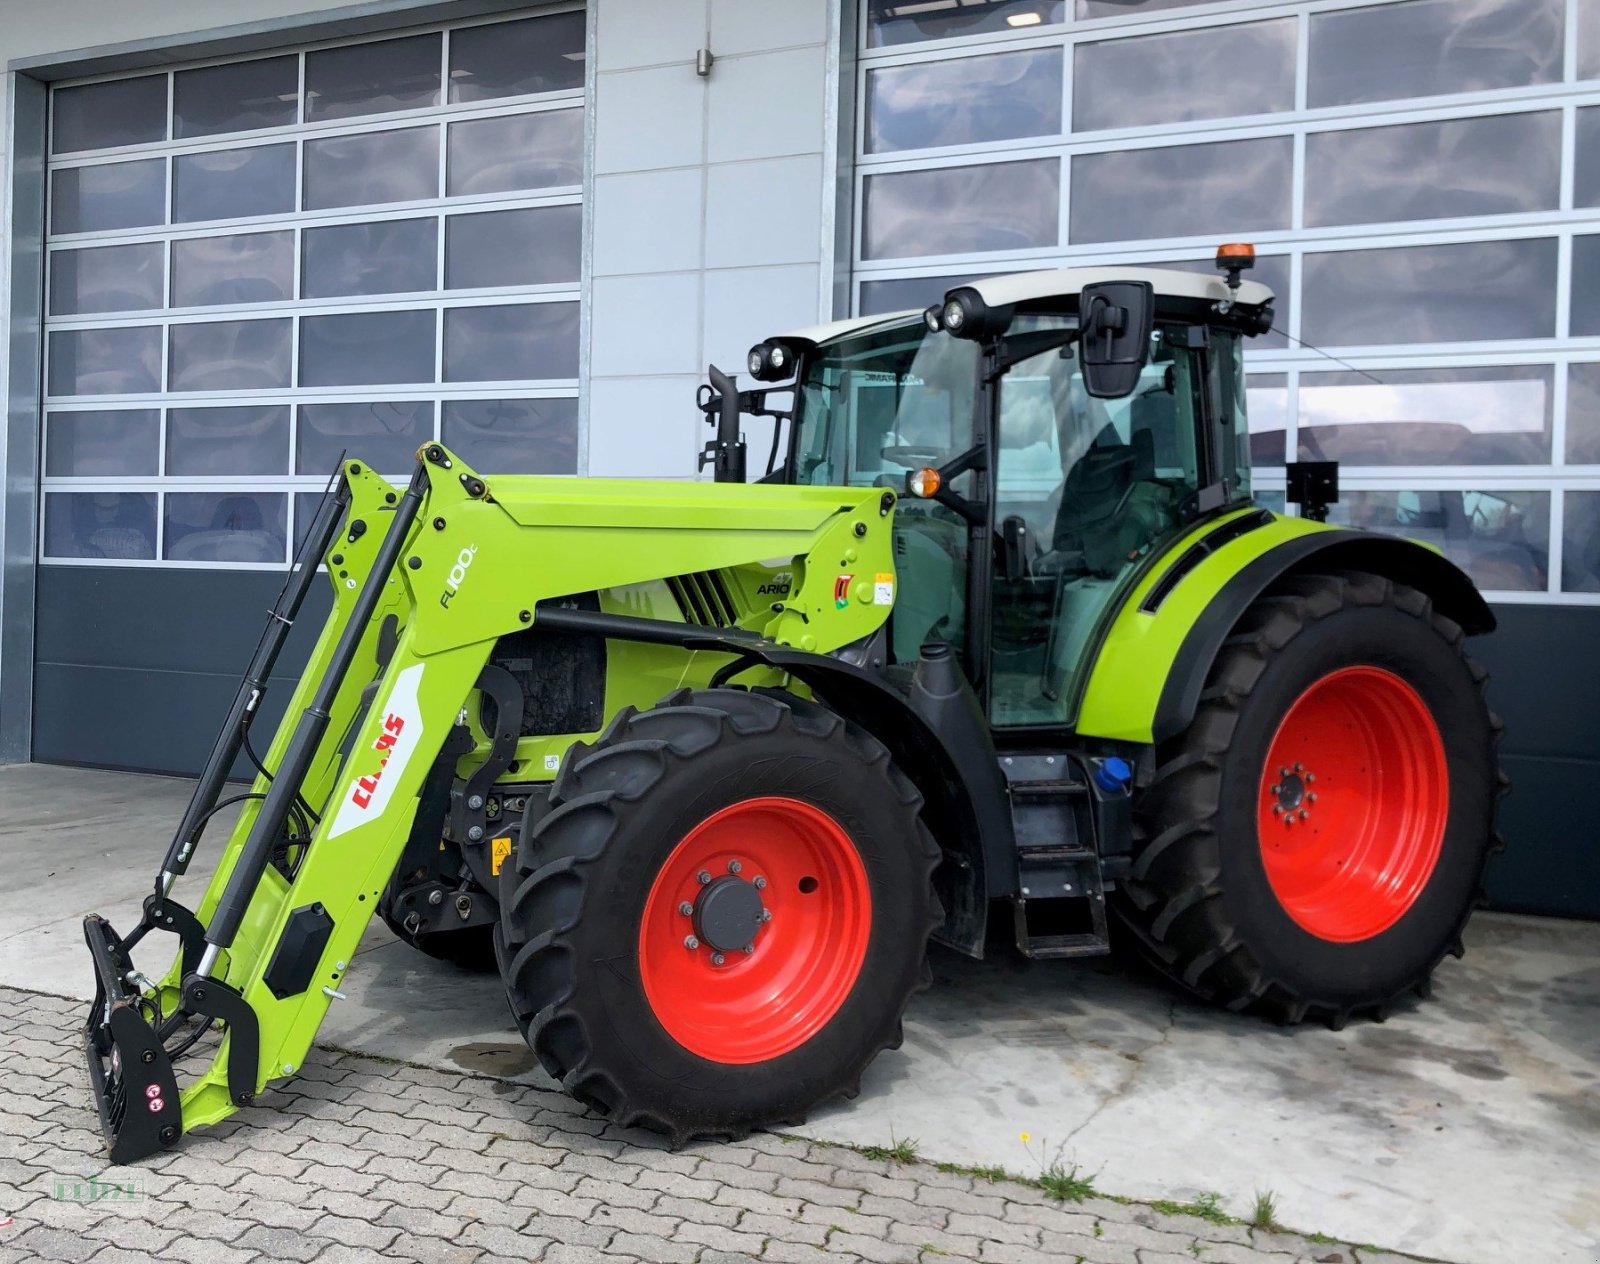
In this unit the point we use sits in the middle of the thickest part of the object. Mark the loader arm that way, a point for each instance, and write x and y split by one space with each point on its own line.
425 583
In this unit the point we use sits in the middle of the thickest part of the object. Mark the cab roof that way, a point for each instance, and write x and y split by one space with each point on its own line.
1024 287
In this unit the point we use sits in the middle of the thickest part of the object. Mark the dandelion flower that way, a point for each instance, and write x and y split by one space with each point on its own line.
1026 1138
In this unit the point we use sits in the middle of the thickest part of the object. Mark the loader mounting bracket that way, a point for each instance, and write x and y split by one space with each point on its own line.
211 998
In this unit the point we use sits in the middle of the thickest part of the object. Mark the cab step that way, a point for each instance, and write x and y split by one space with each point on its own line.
1059 906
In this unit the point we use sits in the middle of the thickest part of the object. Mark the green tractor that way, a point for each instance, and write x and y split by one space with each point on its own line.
998 645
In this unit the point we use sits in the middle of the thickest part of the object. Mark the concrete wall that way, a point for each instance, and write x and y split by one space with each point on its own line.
712 217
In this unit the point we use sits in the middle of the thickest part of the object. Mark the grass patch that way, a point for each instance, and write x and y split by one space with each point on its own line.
1066 1184
899 1150
1264 1214
1207 1207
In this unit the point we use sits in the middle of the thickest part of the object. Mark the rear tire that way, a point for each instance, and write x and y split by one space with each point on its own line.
595 949
1350 906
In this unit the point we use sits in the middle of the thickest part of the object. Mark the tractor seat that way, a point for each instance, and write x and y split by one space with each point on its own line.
1096 487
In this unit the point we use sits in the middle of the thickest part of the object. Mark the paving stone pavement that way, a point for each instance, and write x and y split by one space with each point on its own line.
361 1160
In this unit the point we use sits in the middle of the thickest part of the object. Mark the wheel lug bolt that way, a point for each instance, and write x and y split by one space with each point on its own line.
1304 814
1288 820
734 866
686 909
690 942
703 878
759 883
1310 777
766 915
1299 767
1277 789
1277 809
749 950
1283 772
717 958
1311 798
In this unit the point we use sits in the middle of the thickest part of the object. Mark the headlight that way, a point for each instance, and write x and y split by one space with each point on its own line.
770 362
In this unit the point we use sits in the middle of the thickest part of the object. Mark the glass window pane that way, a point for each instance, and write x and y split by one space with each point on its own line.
514 436
526 342
1585 292
104 115
1580 542
105 279
1424 48
375 167
233 183
515 58
252 439
1267 399
122 361
361 347
1470 416
1494 165
228 355
542 246
1466 292
237 97
1501 539
395 74
1583 414
524 151
392 257
114 443
964 101
100 524
907 21
108 196
1588 39
1087 9
908 293
385 434
1586 175
225 527
955 210
239 268
1230 187
1173 78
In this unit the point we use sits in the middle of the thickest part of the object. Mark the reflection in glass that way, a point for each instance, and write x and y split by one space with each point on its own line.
394 256
955 210
1087 9
228 355
105 279
524 342
123 361
523 151
104 115
375 167
225 527
908 293
1585 295
964 101
1229 187
1588 39
236 97
110 443
1423 48
108 196
233 183
385 434
100 525
541 246
253 439
1500 538
356 348
394 74
238 268
1583 414
909 21
1586 172
515 58
1174 78
1467 416
517 436
1430 293
1267 399
1580 542
1496 164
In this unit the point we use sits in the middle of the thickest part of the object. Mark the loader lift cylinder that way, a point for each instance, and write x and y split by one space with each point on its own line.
253 687
308 732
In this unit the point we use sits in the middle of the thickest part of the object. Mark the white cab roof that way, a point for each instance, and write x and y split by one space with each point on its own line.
1022 287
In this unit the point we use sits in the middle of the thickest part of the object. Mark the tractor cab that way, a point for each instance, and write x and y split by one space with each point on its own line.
1049 435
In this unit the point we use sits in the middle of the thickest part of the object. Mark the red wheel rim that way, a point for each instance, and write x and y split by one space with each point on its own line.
804 957
1353 803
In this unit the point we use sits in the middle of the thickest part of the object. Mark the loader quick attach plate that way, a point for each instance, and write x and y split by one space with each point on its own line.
129 1071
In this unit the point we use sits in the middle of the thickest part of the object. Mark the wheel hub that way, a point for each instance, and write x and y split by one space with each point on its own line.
727 914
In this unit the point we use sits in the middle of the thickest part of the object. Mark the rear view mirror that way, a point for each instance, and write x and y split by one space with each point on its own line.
1115 318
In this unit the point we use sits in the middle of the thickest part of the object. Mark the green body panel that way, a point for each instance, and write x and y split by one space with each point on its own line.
1125 684
472 571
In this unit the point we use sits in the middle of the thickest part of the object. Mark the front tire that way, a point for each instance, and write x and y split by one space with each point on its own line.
1314 843
719 821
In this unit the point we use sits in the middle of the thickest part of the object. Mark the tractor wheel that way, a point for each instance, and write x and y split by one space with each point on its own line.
1313 844
720 915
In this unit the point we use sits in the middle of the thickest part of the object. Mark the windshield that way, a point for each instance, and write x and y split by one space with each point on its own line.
877 405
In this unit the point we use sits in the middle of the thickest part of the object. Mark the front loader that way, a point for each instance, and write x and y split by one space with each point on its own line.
999 644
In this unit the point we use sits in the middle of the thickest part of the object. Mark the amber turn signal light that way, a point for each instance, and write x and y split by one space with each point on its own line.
923 483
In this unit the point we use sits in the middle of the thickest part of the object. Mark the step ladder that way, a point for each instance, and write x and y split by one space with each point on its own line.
1059 907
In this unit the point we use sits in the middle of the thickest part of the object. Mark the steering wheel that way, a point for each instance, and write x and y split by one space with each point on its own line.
911 457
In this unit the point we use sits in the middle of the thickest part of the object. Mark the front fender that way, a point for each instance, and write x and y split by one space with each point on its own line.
1146 682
